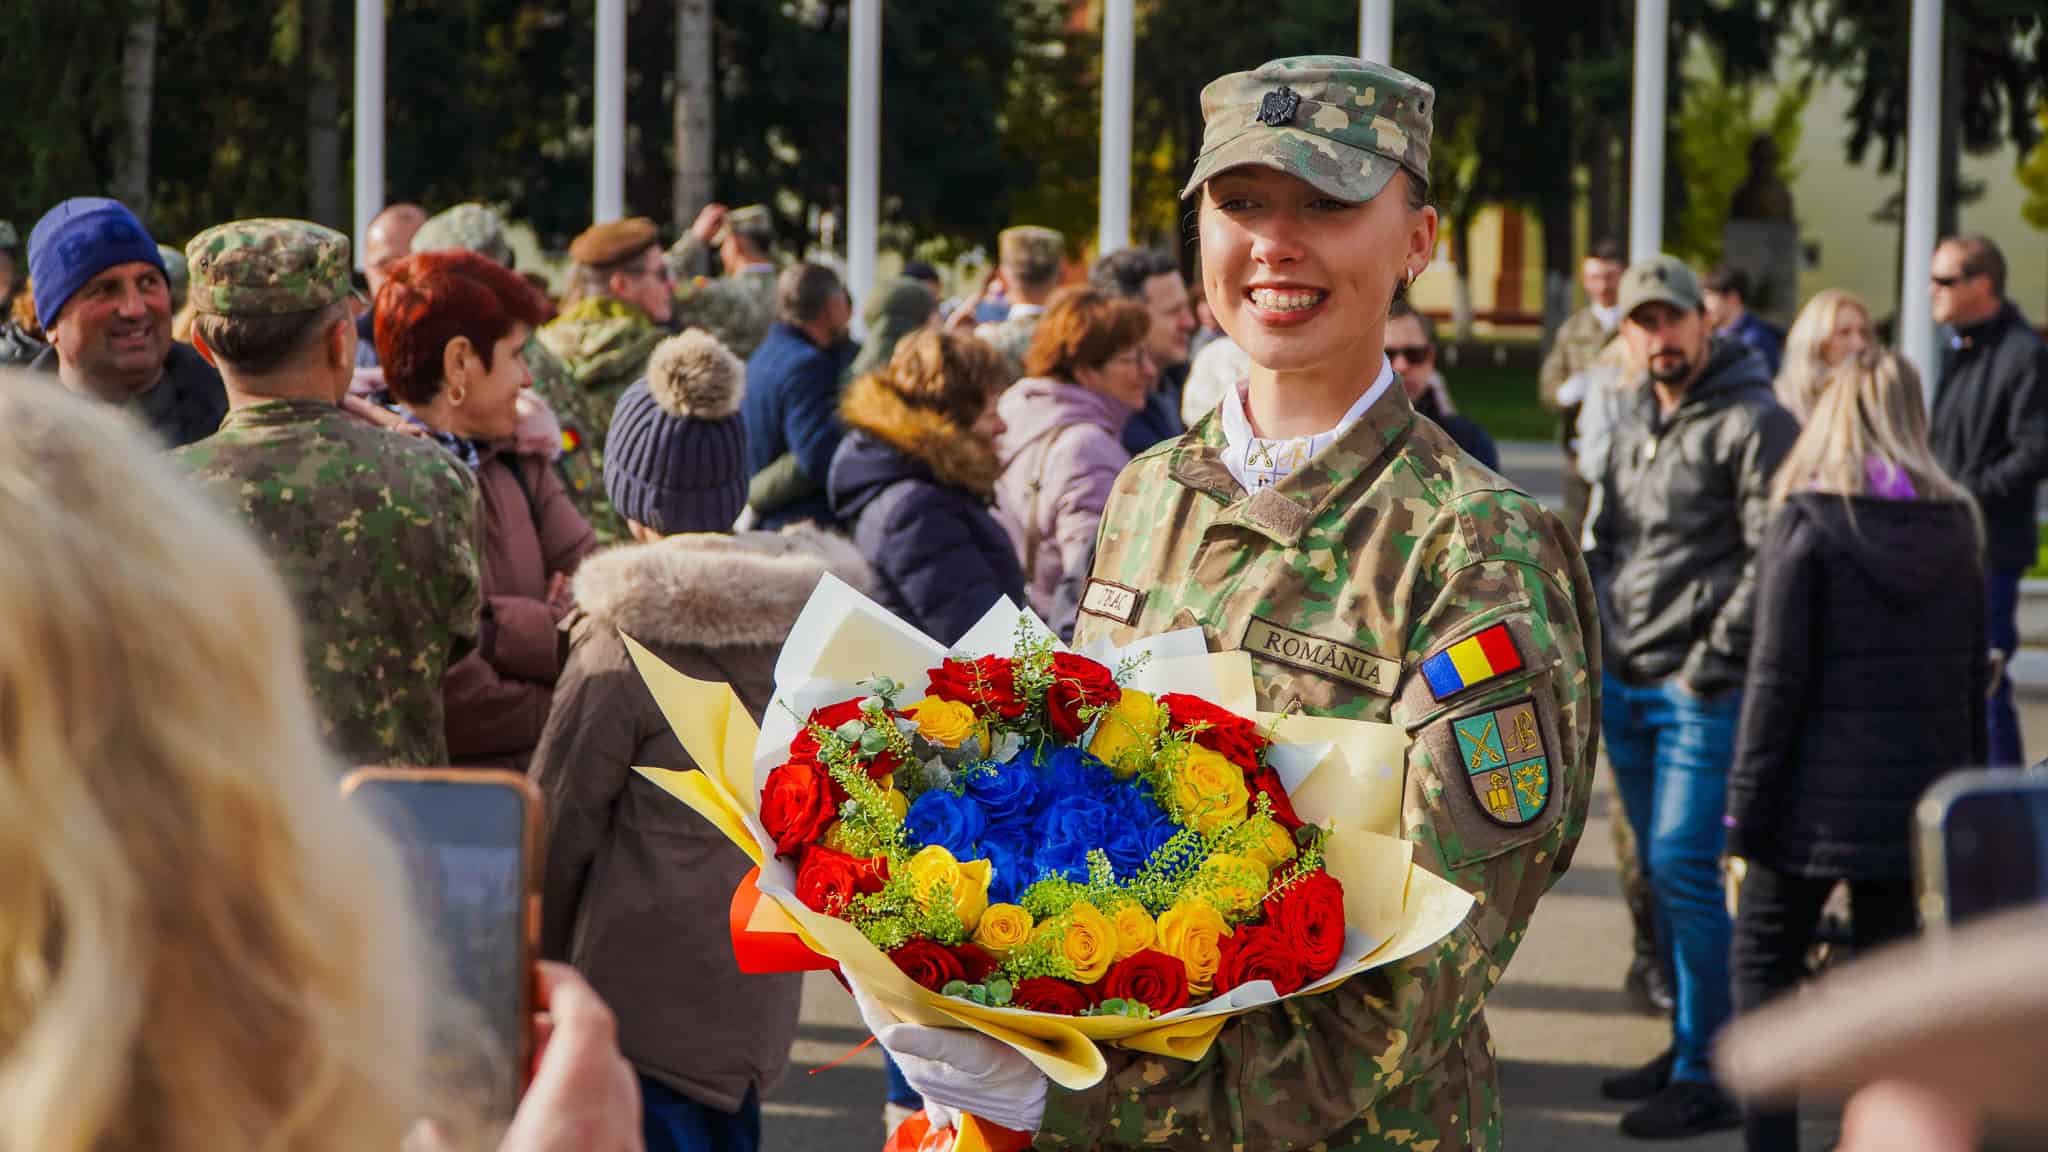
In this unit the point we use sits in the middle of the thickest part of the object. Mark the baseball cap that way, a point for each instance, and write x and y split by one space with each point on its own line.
1338 122
1659 280
268 267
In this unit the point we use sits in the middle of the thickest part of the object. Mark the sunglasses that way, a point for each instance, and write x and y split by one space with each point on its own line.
1412 353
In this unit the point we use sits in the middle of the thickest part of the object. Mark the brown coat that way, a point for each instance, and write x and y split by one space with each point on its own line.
637 886
497 696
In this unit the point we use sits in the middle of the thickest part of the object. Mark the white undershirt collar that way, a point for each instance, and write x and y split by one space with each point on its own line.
1258 462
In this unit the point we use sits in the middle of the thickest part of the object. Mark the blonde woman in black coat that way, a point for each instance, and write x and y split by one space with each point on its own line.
1867 681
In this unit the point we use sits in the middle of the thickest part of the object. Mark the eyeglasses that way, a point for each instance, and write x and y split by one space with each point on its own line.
1412 353
1951 281
1138 356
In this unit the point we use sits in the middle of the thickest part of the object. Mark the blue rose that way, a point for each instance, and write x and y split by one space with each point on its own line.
1007 794
1078 825
951 822
1070 772
1011 871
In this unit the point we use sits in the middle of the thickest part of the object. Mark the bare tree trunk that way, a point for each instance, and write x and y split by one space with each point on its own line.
693 107
323 116
1461 288
138 96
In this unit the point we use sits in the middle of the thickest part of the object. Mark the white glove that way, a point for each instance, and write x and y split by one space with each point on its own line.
957 1070
1572 391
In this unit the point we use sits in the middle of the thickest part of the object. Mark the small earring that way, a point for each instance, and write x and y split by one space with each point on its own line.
457 395
1411 278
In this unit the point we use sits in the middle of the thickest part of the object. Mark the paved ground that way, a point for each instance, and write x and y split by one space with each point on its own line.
1558 1018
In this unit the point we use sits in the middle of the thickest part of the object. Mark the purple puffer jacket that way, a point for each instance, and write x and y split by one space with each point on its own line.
1061 450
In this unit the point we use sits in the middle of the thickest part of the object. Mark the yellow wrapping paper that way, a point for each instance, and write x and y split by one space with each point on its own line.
1393 908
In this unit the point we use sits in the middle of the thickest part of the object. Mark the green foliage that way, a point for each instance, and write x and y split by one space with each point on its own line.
1715 127
2033 174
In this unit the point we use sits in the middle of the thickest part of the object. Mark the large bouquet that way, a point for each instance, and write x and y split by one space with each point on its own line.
1054 848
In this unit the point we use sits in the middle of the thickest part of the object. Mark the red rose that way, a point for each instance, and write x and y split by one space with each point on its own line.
1223 732
988 685
1077 683
1263 781
1150 977
830 717
977 962
1049 994
1309 915
828 880
797 805
929 963
1259 953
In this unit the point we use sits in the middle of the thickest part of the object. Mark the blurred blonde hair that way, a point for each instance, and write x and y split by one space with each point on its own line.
1870 409
201 945
1805 368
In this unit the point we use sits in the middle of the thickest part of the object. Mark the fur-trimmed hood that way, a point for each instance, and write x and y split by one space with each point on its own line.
956 456
715 591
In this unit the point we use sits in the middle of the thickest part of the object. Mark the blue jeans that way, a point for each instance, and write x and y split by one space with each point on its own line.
2002 629
672 1122
900 1091
1670 752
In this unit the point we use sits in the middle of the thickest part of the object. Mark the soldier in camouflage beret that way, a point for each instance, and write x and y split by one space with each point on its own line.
1031 260
582 415
375 533
1373 571
735 301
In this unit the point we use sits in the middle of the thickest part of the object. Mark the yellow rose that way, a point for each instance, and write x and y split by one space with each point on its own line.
1135 931
946 723
1003 928
1126 733
1088 942
1209 791
937 876
1237 883
1275 845
898 803
1193 930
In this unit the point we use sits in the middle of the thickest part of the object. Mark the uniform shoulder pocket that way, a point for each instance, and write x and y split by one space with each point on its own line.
1494 773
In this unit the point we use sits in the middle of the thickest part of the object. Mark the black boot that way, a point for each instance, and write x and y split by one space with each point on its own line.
1648 984
1640 1083
1684 1109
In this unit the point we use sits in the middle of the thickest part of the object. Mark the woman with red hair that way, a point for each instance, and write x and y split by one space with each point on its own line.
450 328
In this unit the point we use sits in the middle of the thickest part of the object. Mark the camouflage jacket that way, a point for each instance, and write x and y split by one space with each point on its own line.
1390 579
736 309
604 345
1012 337
581 464
376 534
1577 344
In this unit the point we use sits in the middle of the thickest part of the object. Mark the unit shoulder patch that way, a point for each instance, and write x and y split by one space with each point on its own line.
1506 762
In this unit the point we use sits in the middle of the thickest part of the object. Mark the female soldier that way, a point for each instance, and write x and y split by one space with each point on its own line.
1374 573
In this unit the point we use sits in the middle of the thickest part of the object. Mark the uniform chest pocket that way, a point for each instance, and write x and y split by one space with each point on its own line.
1317 673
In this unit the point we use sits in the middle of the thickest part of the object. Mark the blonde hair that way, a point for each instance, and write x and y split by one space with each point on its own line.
201 945
1870 410
1805 368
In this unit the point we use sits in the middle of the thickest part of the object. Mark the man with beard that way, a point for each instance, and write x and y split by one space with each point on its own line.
1687 485
103 299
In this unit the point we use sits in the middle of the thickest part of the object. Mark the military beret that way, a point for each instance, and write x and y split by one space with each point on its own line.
467 228
1029 246
1659 280
754 222
1337 122
614 242
267 268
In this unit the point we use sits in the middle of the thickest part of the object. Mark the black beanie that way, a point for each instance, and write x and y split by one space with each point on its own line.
676 456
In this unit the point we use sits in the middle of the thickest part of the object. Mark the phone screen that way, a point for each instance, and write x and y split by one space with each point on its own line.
465 847
1995 850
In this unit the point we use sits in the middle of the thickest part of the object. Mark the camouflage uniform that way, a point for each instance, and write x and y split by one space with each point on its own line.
1573 351
602 345
1034 255
1012 335
737 309
1387 578
475 228
377 534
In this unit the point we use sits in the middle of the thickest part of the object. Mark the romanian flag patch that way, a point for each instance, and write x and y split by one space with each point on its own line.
1471 662
572 441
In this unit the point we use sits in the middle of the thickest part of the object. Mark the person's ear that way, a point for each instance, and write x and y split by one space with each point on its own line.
1421 240
456 358
342 340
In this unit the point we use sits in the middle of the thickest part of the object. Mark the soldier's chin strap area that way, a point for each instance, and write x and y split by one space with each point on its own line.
1257 462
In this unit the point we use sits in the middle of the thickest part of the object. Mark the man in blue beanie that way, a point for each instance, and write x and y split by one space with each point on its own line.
103 298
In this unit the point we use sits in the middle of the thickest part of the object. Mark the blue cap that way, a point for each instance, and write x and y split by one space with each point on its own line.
76 241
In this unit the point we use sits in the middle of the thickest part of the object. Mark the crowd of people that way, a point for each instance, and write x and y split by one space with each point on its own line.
456 494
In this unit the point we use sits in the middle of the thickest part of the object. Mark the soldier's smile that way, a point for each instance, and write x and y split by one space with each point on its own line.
1284 304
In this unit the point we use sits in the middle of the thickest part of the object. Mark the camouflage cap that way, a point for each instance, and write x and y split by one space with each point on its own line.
1029 246
466 228
753 222
1338 122
1659 280
267 268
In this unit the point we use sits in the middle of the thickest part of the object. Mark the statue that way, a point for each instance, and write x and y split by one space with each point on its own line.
1762 235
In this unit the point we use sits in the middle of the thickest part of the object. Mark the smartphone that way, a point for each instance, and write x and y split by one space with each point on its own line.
1981 845
471 843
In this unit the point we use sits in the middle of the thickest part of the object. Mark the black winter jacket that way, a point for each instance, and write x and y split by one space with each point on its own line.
1866 682
1990 430
187 404
914 489
1688 498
